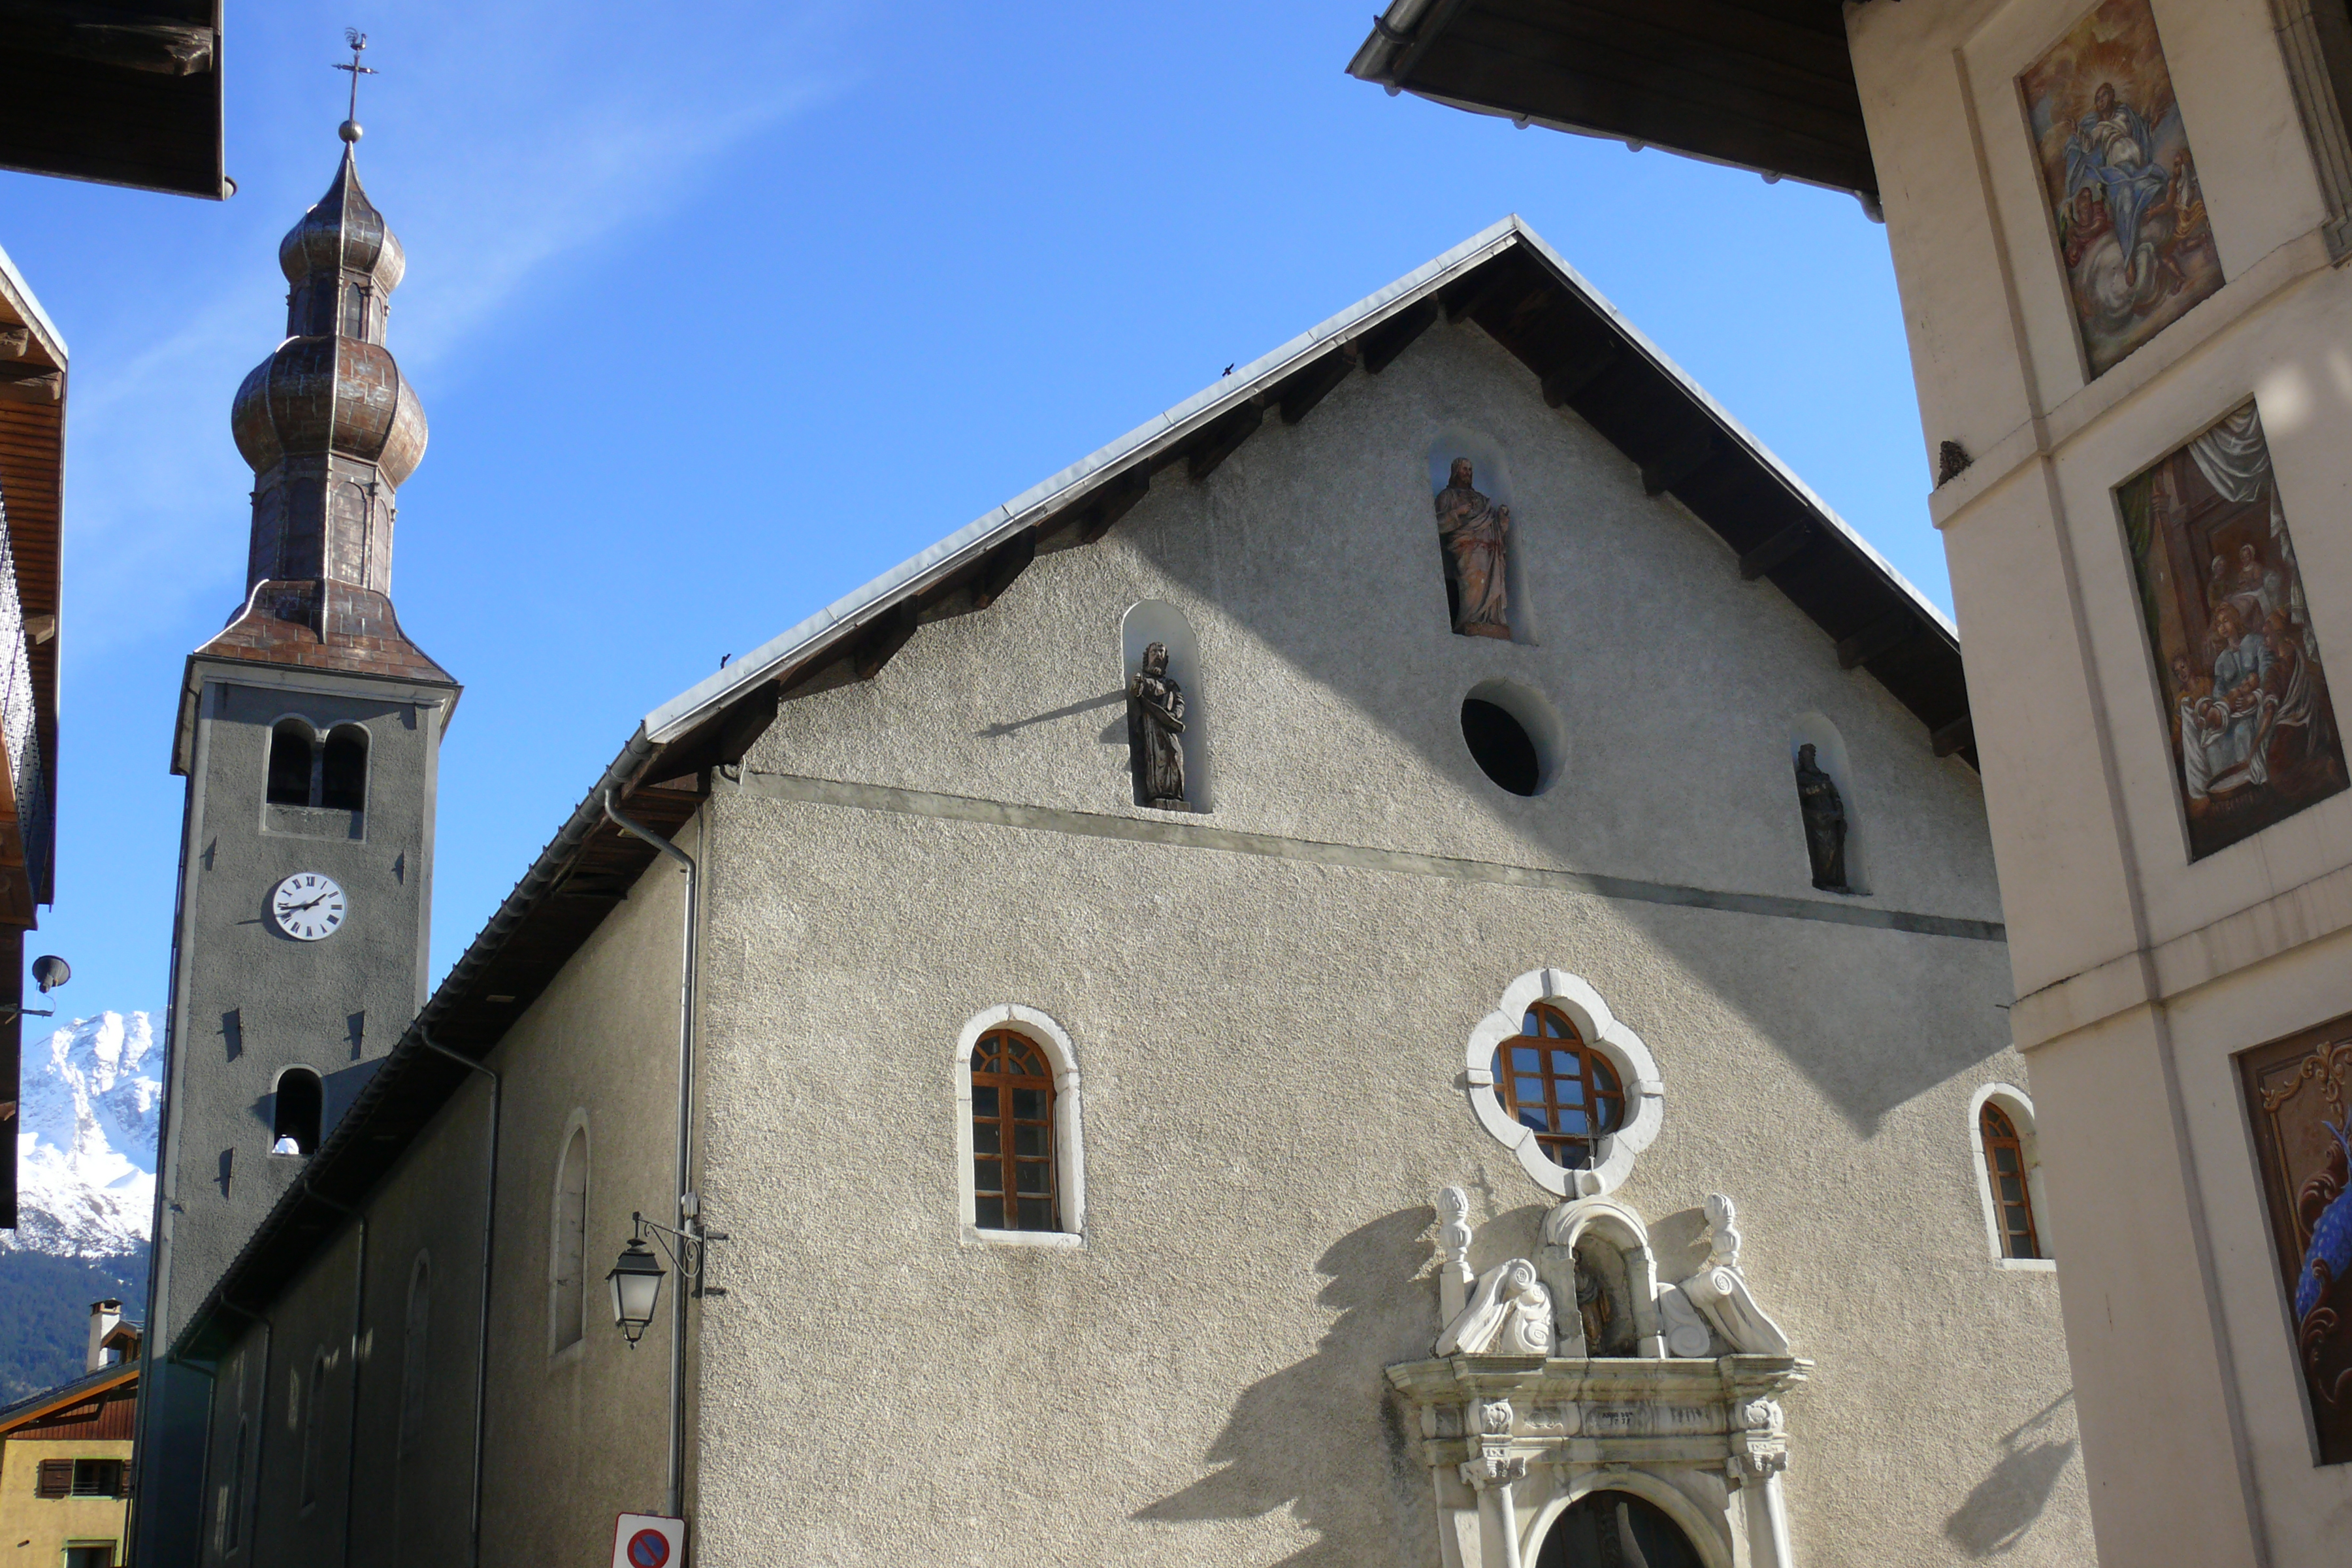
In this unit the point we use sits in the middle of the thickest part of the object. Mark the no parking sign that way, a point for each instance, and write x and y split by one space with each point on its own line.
649 1540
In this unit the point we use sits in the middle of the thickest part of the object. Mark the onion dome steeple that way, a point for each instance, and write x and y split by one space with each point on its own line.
328 423
331 429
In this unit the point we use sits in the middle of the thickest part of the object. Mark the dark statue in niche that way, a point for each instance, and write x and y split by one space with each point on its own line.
1155 732
1825 815
1474 530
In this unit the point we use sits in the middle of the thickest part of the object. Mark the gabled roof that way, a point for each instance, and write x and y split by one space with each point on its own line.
1589 359
65 1395
1765 85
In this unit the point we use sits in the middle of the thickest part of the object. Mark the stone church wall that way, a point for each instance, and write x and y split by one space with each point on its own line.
1269 1035
576 1434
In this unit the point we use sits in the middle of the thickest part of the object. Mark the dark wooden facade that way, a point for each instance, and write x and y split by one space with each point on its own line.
1763 84
97 1408
127 95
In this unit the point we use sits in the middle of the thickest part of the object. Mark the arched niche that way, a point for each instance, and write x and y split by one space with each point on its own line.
296 1104
1815 729
1609 1239
1149 621
1491 474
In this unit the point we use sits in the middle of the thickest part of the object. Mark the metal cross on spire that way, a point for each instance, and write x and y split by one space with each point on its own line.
350 130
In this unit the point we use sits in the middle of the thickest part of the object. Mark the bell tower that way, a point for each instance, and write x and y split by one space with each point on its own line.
308 732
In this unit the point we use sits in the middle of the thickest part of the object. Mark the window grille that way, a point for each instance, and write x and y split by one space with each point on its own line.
2012 1202
1013 1186
1549 1079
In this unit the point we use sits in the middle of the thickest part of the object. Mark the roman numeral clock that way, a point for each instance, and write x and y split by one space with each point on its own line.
307 907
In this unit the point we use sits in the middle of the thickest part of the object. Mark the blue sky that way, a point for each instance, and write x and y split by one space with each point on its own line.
718 311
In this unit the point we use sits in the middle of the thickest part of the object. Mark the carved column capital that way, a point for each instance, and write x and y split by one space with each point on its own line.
1494 1469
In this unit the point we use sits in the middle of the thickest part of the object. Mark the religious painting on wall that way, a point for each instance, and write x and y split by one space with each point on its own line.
2114 157
2253 730
2294 1091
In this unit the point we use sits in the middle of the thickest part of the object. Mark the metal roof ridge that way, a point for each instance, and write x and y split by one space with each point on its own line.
673 718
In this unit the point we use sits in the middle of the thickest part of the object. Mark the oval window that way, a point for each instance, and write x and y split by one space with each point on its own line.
1500 745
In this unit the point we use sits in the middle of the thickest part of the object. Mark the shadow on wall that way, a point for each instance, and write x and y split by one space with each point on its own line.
1867 1066
1385 1315
2003 1507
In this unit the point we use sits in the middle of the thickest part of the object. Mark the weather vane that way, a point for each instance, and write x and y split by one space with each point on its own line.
349 131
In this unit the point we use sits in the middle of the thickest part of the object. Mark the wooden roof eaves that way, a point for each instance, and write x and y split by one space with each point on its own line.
23 307
801 650
35 534
1151 444
1396 45
90 1385
413 1080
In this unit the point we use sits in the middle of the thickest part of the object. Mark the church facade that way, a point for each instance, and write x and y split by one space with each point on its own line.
1348 980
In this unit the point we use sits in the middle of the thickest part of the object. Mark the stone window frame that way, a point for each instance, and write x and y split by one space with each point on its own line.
1637 1071
1069 1153
2019 1106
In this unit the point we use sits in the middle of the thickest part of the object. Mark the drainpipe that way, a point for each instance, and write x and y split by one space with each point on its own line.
482 1329
689 1218
359 1308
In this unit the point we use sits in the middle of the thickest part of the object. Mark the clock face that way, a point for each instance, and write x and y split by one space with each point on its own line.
307 907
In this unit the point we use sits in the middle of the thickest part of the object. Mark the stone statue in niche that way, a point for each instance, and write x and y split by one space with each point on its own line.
1155 732
1824 814
1592 1307
1474 530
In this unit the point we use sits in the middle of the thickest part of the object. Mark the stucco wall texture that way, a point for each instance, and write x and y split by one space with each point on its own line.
1272 1052
574 1435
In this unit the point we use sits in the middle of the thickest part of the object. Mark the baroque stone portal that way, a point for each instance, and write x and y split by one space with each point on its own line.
1474 532
1521 1421
1155 732
1824 814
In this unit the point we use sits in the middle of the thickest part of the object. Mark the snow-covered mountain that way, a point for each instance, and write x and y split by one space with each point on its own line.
86 1139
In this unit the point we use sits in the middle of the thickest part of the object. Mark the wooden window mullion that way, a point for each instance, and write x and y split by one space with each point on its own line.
1008 1066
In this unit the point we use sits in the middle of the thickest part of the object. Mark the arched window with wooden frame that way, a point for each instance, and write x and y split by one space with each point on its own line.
1551 1079
1013 1135
1021 1162
2007 1171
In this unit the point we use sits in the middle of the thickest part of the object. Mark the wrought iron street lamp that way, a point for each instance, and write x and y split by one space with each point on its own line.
636 1279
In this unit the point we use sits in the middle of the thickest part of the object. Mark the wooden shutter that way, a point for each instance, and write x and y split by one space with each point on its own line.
55 1479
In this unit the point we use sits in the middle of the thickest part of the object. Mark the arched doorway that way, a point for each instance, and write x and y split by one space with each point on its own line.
1616 1529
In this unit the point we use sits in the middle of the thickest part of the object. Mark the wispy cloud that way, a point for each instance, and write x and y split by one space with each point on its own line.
504 141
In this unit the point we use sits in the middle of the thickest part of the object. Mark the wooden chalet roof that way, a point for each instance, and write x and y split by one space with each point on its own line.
33 385
93 1405
1761 84
1590 360
128 93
